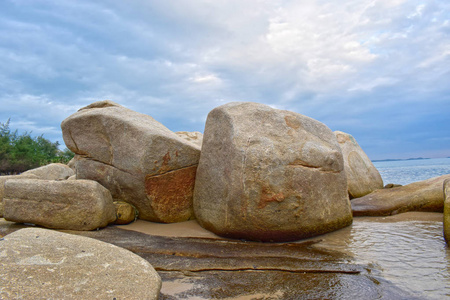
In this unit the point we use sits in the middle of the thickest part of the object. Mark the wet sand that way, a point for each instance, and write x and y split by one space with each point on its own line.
181 229
193 229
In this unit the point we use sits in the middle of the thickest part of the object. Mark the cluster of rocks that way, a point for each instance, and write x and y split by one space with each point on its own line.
258 173
263 174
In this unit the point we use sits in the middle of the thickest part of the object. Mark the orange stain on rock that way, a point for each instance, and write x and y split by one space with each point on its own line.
268 196
171 194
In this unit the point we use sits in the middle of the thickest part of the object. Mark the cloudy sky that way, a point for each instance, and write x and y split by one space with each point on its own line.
377 69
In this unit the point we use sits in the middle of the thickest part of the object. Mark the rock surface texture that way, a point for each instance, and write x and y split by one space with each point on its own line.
269 175
51 172
3 179
73 205
137 158
426 195
45 264
447 210
362 176
192 136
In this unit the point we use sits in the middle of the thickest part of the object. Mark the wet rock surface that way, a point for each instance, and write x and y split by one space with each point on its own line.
275 285
204 268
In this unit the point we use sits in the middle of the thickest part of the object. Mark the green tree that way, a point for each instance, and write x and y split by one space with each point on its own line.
19 153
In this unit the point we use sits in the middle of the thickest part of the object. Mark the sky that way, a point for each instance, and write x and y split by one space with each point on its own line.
377 69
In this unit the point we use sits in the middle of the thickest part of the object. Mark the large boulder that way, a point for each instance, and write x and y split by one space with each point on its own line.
447 210
138 159
362 176
72 205
191 136
45 264
426 195
3 179
269 175
54 171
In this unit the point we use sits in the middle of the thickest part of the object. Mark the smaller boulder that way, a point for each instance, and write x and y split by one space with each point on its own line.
45 264
193 137
423 195
362 176
71 205
125 212
447 210
52 172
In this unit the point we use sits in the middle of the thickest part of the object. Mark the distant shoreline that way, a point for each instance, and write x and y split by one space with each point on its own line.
400 159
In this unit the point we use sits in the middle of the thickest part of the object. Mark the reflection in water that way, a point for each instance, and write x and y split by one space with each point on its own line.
411 254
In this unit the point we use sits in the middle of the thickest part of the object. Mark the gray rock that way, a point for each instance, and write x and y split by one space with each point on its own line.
45 264
137 158
191 136
362 176
51 172
269 175
426 195
73 205
447 210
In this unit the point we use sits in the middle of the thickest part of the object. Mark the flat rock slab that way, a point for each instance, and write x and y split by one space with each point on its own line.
45 264
204 268
275 285
426 195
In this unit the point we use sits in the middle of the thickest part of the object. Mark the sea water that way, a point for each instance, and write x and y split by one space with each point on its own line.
408 249
409 171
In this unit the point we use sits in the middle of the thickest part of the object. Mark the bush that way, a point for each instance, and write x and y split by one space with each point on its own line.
19 153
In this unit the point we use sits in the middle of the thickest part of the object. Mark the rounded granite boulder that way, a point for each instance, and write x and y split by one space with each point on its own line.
46 264
269 175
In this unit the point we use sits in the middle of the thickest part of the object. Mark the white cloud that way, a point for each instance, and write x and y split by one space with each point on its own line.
377 82
331 60
207 78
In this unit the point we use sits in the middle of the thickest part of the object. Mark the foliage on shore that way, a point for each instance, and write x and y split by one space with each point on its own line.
19 153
